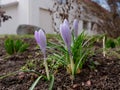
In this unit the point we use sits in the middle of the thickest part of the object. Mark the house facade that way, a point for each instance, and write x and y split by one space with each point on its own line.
46 14
25 12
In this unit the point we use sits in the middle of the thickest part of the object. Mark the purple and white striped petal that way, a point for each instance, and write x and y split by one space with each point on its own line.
75 26
66 34
37 38
41 39
66 22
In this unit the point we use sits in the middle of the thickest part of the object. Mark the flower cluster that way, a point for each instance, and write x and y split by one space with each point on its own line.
73 54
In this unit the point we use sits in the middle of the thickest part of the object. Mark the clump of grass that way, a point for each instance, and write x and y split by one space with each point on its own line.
15 46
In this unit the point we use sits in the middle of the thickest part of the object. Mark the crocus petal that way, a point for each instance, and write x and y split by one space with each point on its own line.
36 35
75 26
66 22
66 34
63 34
41 39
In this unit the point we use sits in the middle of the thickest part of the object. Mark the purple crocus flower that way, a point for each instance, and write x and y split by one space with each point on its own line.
41 40
75 26
66 34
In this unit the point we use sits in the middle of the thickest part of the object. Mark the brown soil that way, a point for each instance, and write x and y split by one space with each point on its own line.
105 76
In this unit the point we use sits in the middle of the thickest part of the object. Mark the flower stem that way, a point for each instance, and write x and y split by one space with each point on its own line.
71 64
104 52
46 67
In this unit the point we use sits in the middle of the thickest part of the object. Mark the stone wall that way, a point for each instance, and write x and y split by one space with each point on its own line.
71 9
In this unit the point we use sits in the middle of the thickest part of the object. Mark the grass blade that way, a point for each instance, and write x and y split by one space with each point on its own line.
51 82
35 83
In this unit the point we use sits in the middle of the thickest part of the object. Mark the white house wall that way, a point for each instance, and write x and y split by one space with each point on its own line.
10 26
19 13
26 12
39 14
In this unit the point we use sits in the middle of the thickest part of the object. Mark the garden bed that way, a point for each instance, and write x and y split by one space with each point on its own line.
13 74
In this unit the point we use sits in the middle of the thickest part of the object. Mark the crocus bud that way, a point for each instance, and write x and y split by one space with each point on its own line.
66 34
41 40
66 22
75 26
